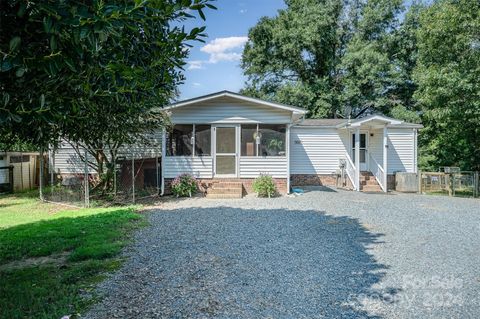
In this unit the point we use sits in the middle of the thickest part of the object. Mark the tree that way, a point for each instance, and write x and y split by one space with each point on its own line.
91 72
447 75
292 57
327 55
367 64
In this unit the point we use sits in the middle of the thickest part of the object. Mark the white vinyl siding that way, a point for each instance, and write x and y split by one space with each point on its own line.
375 145
67 161
401 152
252 167
316 150
229 111
199 166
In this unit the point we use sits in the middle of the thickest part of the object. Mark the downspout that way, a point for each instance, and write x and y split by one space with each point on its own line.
288 156
415 150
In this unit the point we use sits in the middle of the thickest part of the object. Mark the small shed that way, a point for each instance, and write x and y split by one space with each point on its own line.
19 170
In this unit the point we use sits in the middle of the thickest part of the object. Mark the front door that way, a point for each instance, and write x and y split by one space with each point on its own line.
226 151
363 150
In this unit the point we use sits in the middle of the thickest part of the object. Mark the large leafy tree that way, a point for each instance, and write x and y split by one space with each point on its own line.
368 72
292 57
90 72
447 75
329 54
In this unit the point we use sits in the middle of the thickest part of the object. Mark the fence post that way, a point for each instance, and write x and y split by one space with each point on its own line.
41 175
21 170
50 166
133 178
476 184
114 160
156 175
419 181
86 183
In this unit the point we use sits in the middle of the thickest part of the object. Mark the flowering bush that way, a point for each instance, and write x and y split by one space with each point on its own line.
184 185
264 186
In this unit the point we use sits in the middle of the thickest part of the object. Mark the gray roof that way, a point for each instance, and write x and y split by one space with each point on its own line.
339 122
322 122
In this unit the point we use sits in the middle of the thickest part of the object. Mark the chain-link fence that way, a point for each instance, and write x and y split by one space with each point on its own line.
77 176
462 184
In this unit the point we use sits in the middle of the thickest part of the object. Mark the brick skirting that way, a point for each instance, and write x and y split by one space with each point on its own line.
313 180
329 180
204 183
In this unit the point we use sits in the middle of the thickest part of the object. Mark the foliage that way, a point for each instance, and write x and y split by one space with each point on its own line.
264 186
275 144
447 75
291 58
81 245
91 72
328 55
184 185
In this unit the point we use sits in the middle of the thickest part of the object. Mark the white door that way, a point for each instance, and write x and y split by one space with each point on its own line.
226 150
363 150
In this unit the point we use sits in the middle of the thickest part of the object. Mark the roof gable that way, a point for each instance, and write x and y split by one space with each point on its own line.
236 96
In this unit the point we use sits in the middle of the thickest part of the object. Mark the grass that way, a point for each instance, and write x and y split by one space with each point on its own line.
51 257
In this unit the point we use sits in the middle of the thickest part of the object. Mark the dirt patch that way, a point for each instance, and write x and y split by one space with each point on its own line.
56 260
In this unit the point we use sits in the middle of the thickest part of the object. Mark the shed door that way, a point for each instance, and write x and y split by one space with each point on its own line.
226 151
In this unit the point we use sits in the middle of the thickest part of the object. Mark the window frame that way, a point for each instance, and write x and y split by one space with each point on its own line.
193 140
257 146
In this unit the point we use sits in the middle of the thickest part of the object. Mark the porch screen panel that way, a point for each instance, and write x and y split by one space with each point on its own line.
272 141
226 164
248 145
179 141
226 140
203 140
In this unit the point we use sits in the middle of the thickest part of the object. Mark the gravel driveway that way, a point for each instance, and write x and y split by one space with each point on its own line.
326 254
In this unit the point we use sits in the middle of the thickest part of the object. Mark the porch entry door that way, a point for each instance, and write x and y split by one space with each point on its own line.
226 150
363 150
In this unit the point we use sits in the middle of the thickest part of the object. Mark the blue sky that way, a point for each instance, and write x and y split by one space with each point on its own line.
215 65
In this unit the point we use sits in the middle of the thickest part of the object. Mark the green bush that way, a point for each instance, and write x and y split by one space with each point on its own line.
184 185
264 186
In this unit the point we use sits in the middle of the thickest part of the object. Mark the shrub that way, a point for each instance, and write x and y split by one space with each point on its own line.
184 185
264 186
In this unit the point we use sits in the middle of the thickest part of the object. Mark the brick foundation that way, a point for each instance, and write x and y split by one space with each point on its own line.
313 180
329 180
204 183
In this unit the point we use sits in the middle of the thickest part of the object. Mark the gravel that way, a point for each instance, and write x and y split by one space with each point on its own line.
325 254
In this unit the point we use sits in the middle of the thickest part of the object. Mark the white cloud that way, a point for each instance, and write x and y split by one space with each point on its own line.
196 84
220 49
224 49
242 11
195 65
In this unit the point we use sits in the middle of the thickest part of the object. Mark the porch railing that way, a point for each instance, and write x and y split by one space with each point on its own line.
377 171
350 169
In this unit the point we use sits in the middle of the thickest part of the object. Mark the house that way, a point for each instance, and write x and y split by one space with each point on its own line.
228 137
226 140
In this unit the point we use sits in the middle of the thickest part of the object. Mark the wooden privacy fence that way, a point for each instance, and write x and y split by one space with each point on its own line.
464 184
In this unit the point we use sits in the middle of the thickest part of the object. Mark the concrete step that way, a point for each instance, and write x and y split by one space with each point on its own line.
371 188
372 182
227 185
223 196
225 190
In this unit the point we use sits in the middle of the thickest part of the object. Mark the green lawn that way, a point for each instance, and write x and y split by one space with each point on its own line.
52 256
